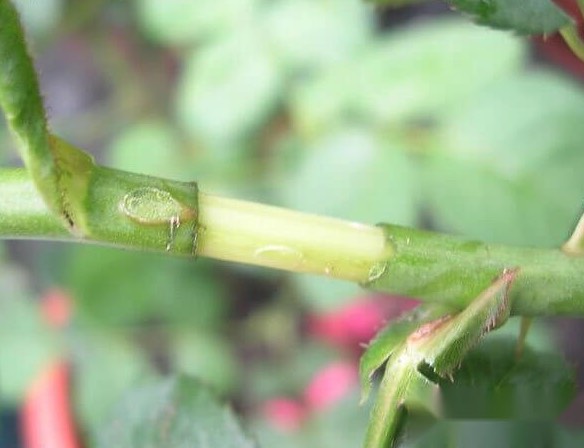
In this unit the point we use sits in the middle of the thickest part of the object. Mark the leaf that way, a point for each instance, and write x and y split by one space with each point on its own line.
490 433
105 366
309 35
39 18
523 16
341 426
180 22
205 356
150 147
434 350
107 289
407 76
26 341
443 343
502 170
390 339
394 3
354 174
227 90
538 385
175 413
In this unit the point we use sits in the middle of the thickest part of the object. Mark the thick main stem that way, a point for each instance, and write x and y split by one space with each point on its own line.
145 213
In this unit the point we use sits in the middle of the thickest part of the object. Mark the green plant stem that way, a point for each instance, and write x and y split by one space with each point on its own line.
227 229
284 239
172 217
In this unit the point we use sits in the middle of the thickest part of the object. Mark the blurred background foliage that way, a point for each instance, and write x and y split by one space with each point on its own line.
328 106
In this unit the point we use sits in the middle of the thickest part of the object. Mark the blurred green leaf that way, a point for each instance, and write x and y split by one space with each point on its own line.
121 288
537 386
105 366
321 294
354 174
505 168
150 147
26 341
206 357
39 17
522 16
227 90
175 412
491 433
311 34
341 426
407 76
291 372
179 22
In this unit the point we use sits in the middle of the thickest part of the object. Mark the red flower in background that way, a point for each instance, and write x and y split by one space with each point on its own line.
347 328
46 418
357 323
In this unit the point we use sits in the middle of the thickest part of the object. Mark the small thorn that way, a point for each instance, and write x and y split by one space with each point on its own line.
575 245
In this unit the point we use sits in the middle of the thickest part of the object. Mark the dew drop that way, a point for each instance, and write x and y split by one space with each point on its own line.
150 205
278 253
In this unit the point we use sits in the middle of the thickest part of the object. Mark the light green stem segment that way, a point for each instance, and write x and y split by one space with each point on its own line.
141 212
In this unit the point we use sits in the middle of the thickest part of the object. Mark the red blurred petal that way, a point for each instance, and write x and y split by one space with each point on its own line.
56 307
46 420
284 414
358 322
330 384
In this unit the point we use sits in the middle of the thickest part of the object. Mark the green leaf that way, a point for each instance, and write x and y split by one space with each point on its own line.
394 3
150 147
175 413
354 174
341 426
388 340
39 17
435 349
105 366
503 168
26 341
523 16
406 77
108 291
490 433
309 35
538 385
205 356
227 90
443 343
179 22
